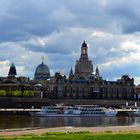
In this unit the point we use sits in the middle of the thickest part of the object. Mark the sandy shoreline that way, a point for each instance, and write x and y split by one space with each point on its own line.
39 131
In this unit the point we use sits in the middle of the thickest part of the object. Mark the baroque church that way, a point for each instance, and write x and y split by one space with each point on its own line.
82 83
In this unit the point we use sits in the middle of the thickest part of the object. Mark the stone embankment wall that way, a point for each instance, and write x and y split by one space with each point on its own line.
13 102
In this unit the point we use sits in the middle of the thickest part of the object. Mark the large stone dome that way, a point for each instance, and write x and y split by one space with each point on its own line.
42 72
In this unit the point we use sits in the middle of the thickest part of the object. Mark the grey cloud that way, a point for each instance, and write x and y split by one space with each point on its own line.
64 25
66 41
26 19
116 72
41 18
126 14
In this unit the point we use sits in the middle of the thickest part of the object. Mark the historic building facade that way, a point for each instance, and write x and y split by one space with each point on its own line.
137 92
12 83
82 83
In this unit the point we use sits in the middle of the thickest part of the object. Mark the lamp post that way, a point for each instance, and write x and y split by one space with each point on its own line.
41 94
41 88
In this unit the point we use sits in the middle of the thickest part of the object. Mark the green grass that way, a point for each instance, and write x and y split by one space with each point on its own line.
79 136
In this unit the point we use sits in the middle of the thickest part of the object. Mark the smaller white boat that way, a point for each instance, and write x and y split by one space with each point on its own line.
137 112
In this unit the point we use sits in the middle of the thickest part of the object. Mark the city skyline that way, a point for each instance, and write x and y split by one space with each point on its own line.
55 30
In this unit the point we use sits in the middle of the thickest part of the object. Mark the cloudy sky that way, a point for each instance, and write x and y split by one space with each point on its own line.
30 29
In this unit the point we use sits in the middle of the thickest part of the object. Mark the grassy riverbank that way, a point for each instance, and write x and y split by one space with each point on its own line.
109 135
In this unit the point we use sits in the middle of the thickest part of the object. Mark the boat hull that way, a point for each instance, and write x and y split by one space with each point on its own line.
72 115
136 114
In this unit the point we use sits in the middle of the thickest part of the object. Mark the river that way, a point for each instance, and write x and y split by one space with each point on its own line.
16 121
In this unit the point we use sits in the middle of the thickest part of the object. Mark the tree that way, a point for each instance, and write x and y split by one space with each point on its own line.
16 93
2 93
27 93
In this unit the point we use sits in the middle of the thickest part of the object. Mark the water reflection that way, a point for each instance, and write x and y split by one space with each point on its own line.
86 121
27 121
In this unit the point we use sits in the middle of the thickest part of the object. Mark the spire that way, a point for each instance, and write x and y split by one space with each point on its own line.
84 44
12 70
97 71
71 73
42 59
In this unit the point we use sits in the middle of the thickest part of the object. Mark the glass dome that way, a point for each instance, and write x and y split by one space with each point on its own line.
42 72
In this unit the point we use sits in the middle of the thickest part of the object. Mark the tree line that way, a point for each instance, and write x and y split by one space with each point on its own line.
16 93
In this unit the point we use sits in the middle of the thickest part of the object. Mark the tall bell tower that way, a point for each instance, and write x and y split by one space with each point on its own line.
84 51
83 67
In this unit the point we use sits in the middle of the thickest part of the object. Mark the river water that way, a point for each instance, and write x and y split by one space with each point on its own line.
14 121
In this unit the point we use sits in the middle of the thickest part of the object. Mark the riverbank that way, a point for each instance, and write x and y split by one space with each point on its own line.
40 131
78 136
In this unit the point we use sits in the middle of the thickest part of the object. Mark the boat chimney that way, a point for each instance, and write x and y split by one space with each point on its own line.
135 104
126 103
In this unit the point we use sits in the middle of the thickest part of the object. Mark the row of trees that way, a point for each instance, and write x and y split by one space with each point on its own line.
16 93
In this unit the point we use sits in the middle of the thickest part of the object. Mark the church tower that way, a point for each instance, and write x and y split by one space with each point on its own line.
83 67
12 71
84 51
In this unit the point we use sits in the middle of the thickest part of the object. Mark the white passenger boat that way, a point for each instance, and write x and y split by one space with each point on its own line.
57 111
95 110
72 111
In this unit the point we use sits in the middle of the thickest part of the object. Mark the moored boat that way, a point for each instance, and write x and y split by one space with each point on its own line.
137 112
57 111
74 111
95 110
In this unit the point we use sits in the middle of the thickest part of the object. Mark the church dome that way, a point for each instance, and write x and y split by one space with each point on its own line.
42 72
42 69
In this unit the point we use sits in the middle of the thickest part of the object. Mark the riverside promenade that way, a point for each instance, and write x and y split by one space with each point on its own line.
17 111
21 102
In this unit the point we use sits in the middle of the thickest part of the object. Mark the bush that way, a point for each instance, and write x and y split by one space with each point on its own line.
8 93
2 93
16 93
27 93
